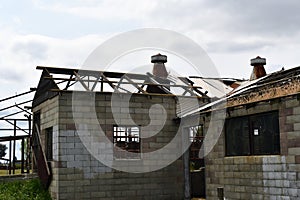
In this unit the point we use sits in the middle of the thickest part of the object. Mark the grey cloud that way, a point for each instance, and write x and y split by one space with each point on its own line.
233 20
232 46
263 17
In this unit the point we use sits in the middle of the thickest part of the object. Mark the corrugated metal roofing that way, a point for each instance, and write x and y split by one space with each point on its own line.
214 87
283 79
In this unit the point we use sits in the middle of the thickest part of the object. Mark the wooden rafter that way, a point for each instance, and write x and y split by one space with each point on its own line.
81 81
135 84
118 81
109 82
162 87
95 83
69 82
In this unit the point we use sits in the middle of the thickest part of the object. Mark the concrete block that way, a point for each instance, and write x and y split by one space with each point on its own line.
296 110
297 127
275 191
82 158
66 183
66 133
293 134
292 103
292 176
293 119
294 192
66 158
294 151
98 194
75 164
256 196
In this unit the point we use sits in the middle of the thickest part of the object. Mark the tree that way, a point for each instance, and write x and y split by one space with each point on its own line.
3 148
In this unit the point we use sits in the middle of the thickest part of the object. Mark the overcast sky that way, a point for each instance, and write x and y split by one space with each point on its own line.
64 33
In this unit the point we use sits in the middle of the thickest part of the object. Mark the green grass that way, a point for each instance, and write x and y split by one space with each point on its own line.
5 172
23 190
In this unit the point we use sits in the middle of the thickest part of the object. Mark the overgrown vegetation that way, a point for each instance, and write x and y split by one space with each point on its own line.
23 190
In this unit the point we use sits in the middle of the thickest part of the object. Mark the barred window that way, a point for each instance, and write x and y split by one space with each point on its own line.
127 142
253 135
196 139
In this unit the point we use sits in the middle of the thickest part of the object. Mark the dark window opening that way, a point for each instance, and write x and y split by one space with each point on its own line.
196 138
36 129
196 161
253 135
126 141
49 143
36 122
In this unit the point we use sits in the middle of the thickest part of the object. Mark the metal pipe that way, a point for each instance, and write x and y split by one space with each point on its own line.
16 95
9 157
15 105
14 148
22 156
12 114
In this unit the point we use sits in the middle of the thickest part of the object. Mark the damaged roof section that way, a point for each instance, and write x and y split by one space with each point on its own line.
216 87
279 84
190 92
54 80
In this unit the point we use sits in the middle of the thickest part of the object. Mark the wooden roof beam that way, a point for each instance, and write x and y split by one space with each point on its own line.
135 84
81 81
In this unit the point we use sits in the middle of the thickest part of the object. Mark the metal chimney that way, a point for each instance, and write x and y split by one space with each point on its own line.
159 68
258 68
160 75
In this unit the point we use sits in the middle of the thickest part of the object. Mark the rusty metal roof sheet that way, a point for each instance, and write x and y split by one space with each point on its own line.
275 85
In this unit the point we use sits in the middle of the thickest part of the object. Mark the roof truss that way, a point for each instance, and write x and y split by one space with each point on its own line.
103 81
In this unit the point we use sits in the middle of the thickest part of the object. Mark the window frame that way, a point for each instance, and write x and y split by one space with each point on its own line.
196 138
122 151
49 143
253 151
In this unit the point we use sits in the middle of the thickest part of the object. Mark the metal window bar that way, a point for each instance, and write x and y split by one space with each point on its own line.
126 139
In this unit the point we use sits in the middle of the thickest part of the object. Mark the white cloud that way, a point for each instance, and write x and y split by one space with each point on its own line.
226 26
20 54
232 32
103 10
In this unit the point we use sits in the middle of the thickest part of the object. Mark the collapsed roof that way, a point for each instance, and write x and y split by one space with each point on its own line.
54 80
272 86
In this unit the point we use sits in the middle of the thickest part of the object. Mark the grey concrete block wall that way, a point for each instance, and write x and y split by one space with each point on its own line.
79 175
49 117
259 177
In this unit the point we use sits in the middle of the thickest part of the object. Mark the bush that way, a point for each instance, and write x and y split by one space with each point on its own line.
25 190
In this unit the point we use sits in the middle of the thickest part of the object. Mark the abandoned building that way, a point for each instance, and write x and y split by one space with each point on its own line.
74 173
256 156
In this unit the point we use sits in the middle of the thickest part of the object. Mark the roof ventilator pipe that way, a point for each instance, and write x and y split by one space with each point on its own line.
258 68
159 68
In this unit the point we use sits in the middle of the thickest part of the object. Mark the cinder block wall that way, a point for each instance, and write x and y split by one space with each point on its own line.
79 175
49 116
259 177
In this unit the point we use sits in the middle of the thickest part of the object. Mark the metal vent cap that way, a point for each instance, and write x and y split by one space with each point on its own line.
159 58
258 61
